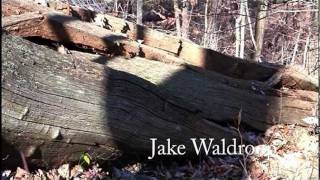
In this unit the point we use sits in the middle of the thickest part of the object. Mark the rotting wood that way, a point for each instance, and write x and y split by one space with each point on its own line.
250 86
261 105
77 32
186 50
202 91
67 29
60 107
209 59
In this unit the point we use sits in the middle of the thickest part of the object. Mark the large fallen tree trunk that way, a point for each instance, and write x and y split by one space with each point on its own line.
206 58
210 59
219 98
67 104
57 107
156 45
54 107
260 111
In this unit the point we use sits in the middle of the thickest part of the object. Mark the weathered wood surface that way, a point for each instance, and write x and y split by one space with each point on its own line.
149 36
55 107
67 104
220 98
67 29
212 60
61 106
80 33
207 58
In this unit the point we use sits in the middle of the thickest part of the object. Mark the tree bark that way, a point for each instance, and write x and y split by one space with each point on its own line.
206 29
240 31
237 35
115 6
242 27
139 11
177 17
260 28
250 25
185 20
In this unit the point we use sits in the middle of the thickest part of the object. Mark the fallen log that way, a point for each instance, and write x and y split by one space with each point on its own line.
50 97
220 98
67 29
210 59
56 107
262 104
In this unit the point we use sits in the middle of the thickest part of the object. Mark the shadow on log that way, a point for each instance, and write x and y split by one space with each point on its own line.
62 107
59 107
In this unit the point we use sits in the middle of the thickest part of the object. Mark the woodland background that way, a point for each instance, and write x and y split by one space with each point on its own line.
276 31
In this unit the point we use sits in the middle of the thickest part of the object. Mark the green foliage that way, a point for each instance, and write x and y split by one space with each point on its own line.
85 159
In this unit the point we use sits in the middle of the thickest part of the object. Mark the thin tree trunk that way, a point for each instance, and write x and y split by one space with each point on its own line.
127 10
115 6
295 48
306 48
139 11
260 28
250 27
282 55
177 12
206 29
211 37
242 27
237 32
185 21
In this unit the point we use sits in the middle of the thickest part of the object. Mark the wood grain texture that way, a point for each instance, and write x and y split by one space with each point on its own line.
61 106
57 105
122 35
220 98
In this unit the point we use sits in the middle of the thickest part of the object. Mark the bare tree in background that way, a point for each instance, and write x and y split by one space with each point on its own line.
206 30
115 7
177 12
243 4
260 28
240 30
185 19
139 11
210 23
186 16
211 35
250 26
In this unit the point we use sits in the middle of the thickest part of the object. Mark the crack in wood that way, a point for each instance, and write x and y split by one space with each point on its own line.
14 110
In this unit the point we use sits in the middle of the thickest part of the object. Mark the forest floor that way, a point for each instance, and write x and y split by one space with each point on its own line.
285 152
